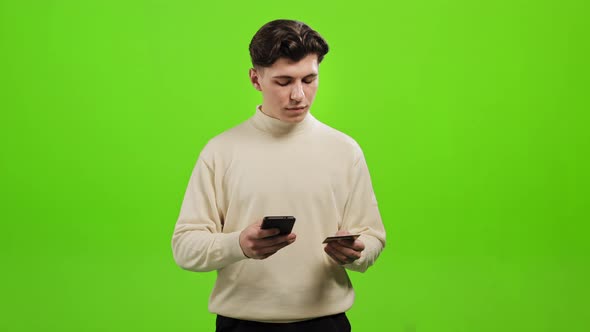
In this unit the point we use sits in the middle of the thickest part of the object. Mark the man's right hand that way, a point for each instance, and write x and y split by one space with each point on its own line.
260 243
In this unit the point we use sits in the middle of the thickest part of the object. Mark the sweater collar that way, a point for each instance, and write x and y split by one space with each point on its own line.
276 127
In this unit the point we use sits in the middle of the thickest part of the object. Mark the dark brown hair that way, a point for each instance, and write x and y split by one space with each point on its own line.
285 39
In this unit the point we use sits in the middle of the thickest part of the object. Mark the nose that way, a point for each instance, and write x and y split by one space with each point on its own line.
297 92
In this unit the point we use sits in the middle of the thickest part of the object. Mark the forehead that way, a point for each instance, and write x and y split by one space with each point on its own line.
287 67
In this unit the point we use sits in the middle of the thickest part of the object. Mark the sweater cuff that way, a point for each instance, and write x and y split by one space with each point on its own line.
368 255
230 244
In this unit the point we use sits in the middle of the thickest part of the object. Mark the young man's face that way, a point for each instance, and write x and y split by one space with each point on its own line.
288 88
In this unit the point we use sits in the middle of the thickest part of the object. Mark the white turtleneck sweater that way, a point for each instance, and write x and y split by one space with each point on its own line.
265 167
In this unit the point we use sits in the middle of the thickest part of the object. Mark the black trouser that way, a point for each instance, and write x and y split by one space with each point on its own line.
334 323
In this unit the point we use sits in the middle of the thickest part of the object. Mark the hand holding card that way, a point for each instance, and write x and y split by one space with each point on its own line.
350 237
344 248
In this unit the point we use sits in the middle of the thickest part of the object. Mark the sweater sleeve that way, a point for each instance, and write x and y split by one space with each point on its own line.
198 242
361 216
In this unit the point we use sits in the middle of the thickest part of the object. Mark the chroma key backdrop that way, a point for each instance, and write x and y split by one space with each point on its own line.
473 117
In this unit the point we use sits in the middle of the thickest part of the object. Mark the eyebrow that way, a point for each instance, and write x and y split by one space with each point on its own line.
290 77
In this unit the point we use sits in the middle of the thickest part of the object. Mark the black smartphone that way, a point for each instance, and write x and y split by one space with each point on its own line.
283 223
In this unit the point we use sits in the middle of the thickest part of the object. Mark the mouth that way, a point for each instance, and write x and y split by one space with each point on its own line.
296 108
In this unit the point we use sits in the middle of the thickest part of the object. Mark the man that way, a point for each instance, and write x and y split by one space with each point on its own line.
281 161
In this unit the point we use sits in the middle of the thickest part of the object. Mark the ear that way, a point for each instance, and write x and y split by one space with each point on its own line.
254 79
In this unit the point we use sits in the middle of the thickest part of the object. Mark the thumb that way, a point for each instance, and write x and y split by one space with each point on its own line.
342 232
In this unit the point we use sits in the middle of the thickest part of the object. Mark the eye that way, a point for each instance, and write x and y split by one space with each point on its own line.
283 83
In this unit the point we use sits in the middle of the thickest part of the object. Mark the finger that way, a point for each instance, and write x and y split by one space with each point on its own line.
342 232
272 249
277 246
335 259
356 245
265 233
359 245
347 243
332 256
350 254
267 255
275 240
270 243
342 250
336 255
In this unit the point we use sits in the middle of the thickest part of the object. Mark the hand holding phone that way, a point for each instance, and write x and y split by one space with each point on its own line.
261 240
283 223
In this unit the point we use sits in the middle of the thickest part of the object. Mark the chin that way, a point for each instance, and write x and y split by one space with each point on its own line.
294 118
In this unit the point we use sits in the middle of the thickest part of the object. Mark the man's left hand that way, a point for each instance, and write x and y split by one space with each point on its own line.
345 251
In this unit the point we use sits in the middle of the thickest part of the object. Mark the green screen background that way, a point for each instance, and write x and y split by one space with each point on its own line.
473 118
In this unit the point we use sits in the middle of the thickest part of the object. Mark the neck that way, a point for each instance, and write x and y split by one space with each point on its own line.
276 127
